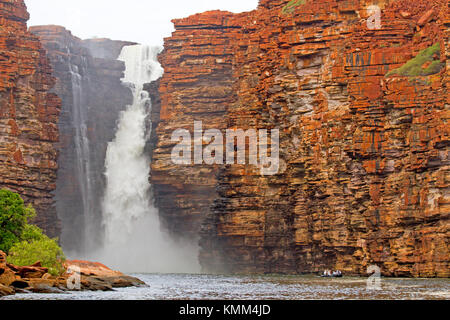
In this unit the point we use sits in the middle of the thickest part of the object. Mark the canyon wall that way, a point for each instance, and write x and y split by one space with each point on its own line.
88 81
197 85
28 116
363 113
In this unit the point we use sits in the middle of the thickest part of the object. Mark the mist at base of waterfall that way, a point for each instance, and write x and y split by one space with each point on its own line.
148 250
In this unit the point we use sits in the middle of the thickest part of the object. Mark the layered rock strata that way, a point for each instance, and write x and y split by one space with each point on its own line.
28 116
88 80
362 108
197 85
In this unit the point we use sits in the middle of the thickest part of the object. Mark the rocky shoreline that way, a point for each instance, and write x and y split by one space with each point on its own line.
80 276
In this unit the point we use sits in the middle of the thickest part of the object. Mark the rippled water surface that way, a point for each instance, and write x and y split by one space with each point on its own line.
199 287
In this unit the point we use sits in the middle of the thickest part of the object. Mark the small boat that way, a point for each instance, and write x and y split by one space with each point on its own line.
335 274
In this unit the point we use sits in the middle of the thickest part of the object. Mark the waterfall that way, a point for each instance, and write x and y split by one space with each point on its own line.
133 240
81 139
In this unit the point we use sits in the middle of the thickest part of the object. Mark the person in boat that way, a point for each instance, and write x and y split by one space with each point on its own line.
334 274
337 274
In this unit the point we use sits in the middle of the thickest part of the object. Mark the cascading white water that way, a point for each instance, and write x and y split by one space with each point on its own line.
127 169
133 240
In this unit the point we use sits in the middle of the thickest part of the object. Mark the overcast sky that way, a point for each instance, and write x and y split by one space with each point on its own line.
143 21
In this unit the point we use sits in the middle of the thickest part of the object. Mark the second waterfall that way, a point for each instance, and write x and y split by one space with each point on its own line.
133 240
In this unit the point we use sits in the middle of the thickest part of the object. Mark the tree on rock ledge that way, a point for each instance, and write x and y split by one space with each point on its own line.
14 217
25 243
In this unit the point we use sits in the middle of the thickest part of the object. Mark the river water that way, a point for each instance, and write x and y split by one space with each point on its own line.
212 287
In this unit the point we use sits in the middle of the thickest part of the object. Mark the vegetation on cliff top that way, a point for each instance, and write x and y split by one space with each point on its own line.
290 7
426 63
26 244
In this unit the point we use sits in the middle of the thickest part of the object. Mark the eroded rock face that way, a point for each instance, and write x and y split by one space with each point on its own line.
88 81
88 268
28 116
197 85
365 158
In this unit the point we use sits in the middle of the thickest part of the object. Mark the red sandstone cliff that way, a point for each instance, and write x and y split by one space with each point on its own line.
197 85
28 116
365 151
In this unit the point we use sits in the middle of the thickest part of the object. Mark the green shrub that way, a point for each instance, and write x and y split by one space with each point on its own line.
14 216
45 250
31 233
290 7
26 244
414 67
